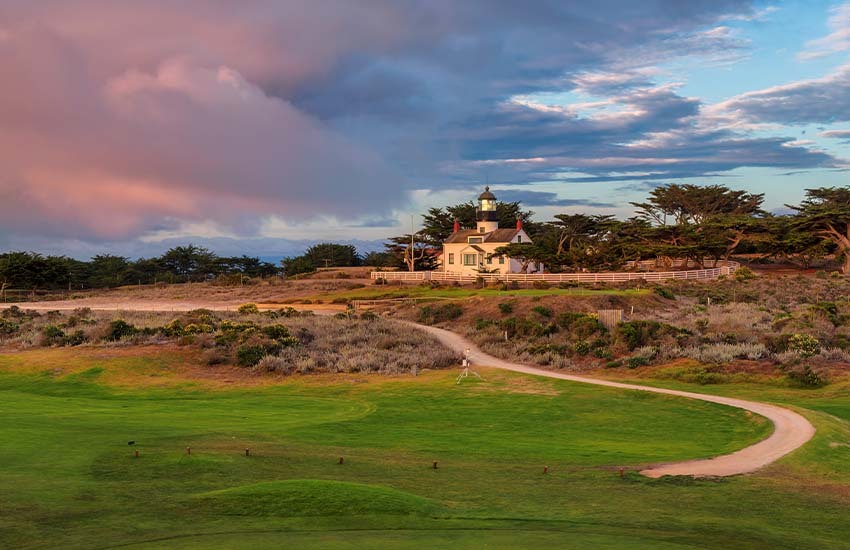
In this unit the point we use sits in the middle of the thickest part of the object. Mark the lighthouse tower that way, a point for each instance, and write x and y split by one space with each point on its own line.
487 219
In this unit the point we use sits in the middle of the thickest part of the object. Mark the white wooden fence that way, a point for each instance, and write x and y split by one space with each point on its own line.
603 277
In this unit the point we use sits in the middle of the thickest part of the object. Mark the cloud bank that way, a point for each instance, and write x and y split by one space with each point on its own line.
125 120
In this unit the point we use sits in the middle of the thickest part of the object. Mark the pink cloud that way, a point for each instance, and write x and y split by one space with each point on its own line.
116 141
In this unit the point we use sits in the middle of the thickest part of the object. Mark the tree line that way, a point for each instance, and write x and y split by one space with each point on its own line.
676 221
31 270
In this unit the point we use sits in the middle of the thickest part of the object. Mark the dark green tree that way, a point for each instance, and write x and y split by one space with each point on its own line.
825 213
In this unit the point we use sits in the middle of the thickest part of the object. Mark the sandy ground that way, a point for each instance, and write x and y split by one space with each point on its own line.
791 430
113 304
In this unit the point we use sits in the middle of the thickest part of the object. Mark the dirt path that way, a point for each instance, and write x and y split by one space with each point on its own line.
791 430
108 304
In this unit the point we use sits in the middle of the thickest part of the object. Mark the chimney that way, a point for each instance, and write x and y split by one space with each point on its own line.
519 224
456 227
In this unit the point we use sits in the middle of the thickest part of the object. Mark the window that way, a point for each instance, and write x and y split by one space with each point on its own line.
451 258
501 260
475 240
489 259
482 229
470 259
519 238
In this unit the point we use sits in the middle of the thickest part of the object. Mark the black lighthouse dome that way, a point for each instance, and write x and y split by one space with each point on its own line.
487 206
487 195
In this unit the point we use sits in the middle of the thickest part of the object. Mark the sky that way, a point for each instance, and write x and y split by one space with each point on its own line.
262 126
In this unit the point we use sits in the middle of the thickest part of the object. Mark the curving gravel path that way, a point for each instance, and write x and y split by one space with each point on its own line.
791 430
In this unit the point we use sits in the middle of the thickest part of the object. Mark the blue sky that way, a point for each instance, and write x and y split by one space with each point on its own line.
263 128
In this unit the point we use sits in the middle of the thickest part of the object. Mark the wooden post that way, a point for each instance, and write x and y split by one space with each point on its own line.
341 460
188 450
435 464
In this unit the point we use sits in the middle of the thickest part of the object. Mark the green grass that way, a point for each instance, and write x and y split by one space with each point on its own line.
70 480
424 292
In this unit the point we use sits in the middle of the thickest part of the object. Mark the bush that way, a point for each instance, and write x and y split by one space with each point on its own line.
642 332
8 327
438 314
506 308
215 356
807 377
248 309
542 311
804 345
541 285
249 355
276 332
52 335
637 361
119 329
581 347
603 353
744 274
274 363
665 292
481 324
76 338
520 326
369 316
580 325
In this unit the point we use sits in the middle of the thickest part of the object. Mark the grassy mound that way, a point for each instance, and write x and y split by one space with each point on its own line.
314 497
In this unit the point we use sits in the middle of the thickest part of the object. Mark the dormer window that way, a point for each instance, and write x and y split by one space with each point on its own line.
475 240
482 229
519 238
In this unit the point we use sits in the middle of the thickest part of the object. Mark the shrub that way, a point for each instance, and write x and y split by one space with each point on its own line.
369 316
665 292
119 329
8 327
275 332
613 364
52 335
506 308
744 274
76 338
804 345
722 353
603 353
198 328
274 363
248 309
173 328
249 355
520 326
542 311
807 377
581 347
636 361
481 324
580 325
641 332
541 285
215 356
438 314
